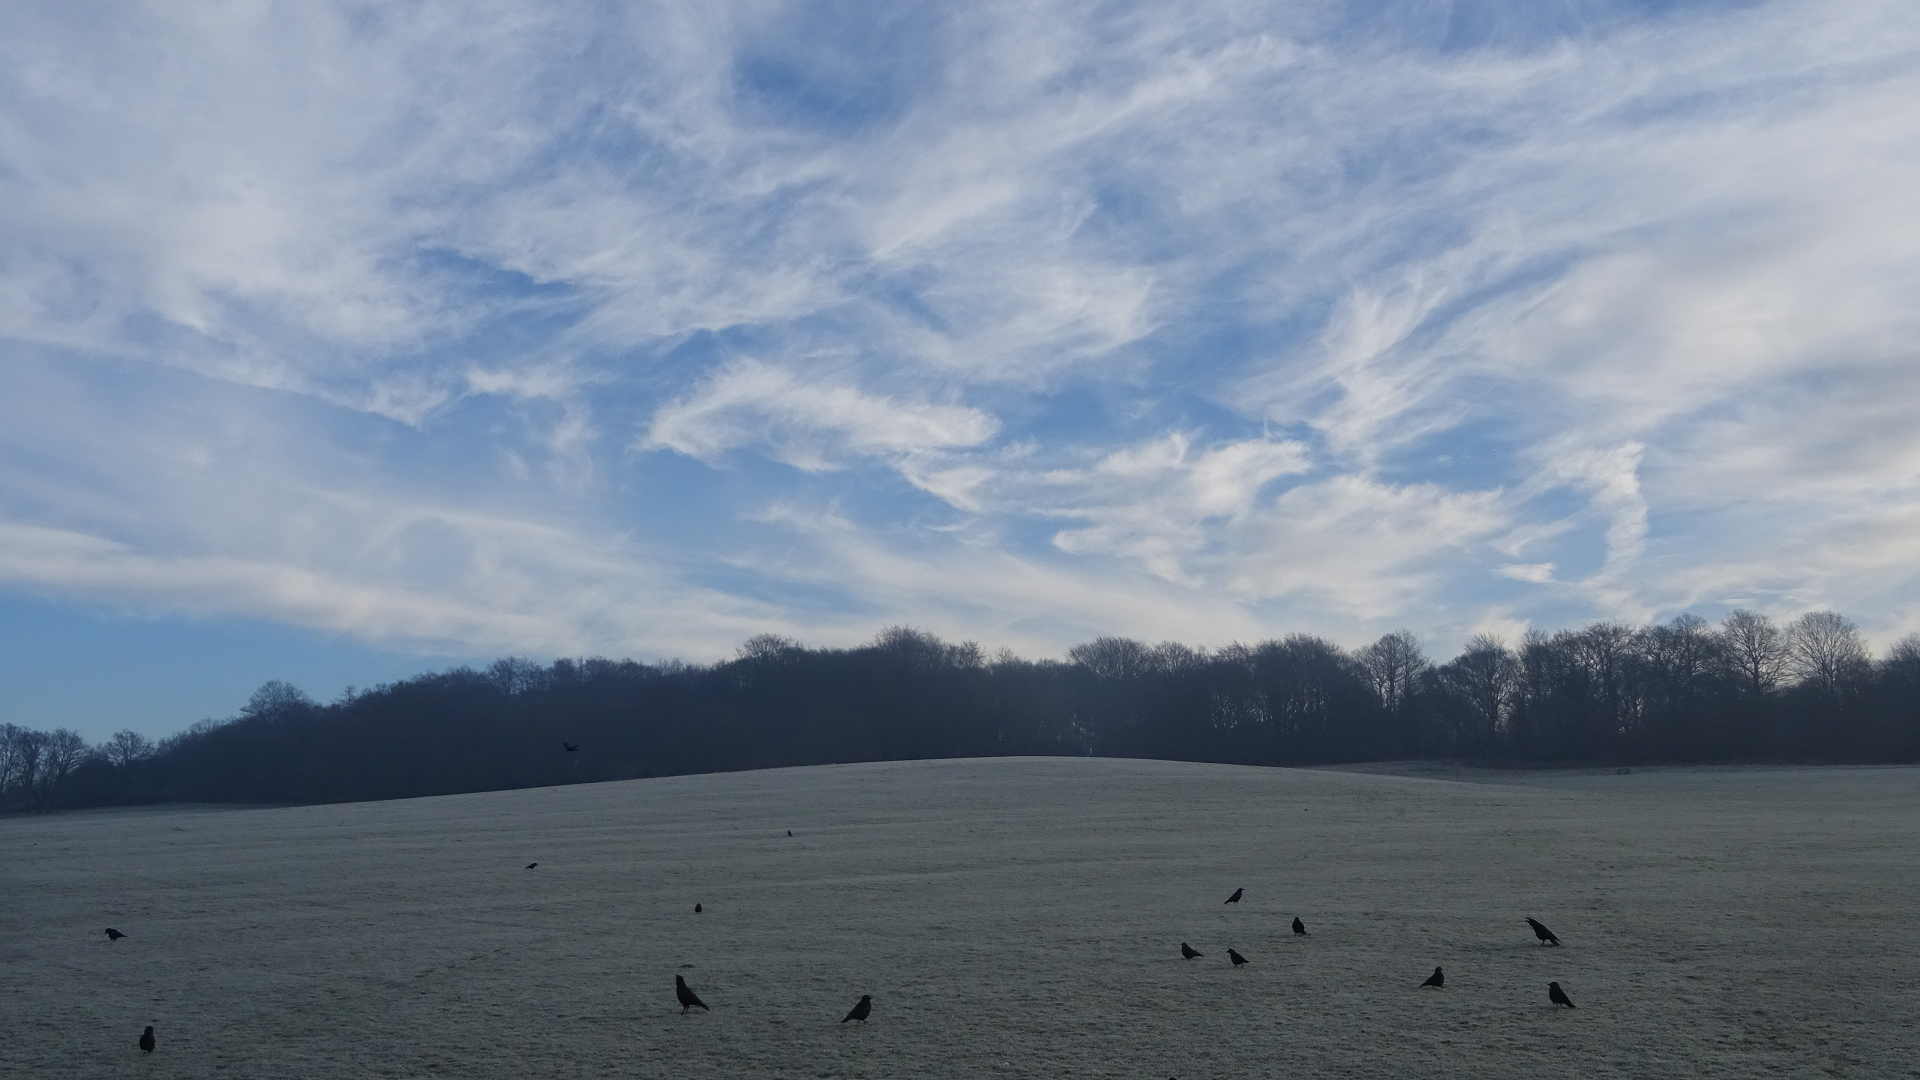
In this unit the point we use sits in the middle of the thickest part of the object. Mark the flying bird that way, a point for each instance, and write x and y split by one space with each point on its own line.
1437 980
1235 898
861 1011
1545 935
114 935
688 999
1558 996
1189 951
570 747
1299 928
146 1040
1235 956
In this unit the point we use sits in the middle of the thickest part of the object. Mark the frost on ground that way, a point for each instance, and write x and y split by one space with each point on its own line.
1010 917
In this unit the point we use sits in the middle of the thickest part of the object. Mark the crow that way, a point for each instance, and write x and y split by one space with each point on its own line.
146 1040
1545 935
1235 898
1437 980
1189 951
1234 956
1299 928
531 865
570 747
1558 996
861 1011
789 832
688 999
697 909
114 935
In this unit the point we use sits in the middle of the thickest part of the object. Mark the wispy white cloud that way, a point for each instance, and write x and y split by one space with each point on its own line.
1248 315
804 423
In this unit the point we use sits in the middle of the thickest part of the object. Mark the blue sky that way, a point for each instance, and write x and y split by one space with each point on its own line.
344 341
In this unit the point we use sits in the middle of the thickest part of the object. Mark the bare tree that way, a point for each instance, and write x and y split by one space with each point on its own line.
1484 675
511 675
768 647
1755 649
1826 651
10 763
27 754
1392 664
1114 657
1903 660
66 749
1683 648
123 748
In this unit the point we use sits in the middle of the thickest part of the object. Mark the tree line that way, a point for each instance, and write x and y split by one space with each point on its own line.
1685 691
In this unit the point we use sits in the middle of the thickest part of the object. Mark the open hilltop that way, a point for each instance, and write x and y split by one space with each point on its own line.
1016 917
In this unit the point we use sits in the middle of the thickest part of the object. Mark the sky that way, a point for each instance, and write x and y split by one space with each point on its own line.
345 341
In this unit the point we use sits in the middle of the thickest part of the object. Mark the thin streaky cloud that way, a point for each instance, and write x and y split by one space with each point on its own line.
1214 319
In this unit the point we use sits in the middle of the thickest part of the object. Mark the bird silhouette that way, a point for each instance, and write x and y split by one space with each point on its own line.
1437 980
697 909
146 1040
1189 951
570 747
688 999
1558 996
1545 935
1235 898
789 832
1299 928
1235 956
861 1011
114 935
531 865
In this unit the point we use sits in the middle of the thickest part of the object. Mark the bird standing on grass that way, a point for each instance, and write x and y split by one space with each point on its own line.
688 999
1437 980
1558 996
114 935
1545 935
1189 951
697 909
1235 956
1299 928
861 1011
1235 898
146 1040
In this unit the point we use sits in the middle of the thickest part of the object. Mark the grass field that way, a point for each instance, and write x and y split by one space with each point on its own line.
1010 917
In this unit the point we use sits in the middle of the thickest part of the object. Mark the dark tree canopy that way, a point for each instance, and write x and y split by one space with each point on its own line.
1684 691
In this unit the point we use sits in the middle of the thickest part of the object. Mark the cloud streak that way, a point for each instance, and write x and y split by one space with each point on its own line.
1036 320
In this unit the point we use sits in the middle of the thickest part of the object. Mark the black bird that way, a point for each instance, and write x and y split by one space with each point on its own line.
1545 935
1558 996
114 935
1299 928
789 832
697 909
1235 898
570 747
1235 956
861 1011
1437 980
531 865
146 1040
688 999
1189 951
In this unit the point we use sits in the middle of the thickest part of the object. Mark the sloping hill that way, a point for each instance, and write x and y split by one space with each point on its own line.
1010 917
